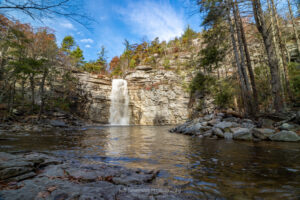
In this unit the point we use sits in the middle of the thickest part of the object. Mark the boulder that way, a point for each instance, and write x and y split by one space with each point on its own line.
223 125
57 123
263 133
208 133
228 135
285 136
218 132
242 134
286 126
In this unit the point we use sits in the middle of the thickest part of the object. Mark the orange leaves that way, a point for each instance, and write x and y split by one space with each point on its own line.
114 63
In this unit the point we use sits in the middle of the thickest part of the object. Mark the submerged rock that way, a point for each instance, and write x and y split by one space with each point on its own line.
285 136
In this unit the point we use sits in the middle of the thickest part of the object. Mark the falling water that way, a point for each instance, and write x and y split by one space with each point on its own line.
119 103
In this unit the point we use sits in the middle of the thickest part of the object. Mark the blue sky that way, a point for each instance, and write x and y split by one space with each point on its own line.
130 19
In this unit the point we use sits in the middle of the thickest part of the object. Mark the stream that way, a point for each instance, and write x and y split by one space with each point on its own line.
224 169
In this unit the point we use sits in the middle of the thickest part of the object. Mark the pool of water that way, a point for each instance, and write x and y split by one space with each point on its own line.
201 167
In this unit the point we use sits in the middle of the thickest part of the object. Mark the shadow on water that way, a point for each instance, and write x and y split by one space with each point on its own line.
211 168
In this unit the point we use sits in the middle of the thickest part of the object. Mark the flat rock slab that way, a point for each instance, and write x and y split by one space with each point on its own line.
40 176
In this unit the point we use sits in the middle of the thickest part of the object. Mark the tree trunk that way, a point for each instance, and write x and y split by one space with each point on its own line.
272 59
248 93
294 28
282 50
248 59
32 86
42 92
237 59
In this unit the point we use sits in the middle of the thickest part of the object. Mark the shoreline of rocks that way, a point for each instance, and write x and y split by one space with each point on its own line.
227 126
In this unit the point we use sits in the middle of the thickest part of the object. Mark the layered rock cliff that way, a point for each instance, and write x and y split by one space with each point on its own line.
157 97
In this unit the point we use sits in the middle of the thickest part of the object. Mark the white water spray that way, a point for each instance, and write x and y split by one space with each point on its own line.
119 114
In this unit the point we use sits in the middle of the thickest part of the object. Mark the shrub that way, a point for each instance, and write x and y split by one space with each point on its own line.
166 64
202 83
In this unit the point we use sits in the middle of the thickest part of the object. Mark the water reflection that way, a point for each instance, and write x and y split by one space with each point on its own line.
207 168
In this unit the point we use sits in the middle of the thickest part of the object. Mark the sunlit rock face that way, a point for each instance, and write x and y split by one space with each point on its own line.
156 97
95 94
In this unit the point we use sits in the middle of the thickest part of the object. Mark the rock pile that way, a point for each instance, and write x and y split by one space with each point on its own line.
228 127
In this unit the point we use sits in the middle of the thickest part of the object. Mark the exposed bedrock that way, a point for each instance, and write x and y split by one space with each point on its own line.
157 97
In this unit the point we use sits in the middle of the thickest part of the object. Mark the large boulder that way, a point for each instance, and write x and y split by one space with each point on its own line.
285 136
263 133
243 134
223 125
218 132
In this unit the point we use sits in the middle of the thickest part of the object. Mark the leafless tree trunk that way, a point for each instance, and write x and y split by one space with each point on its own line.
272 59
42 92
244 90
248 59
32 86
282 50
294 27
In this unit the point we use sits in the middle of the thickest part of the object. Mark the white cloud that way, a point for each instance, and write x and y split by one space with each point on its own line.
88 40
67 25
154 19
87 46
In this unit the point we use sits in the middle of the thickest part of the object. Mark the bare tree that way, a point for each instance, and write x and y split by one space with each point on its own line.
41 9
272 57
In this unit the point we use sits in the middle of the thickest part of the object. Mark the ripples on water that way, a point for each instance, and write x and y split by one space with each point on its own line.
203 167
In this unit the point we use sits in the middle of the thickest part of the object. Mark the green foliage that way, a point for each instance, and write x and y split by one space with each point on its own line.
188 35
223 93
93 67
117 71
294 75
61 103
166 64
201 83
102 58
77 56
132 63
67 44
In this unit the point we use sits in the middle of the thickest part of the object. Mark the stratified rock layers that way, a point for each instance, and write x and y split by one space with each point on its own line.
157 97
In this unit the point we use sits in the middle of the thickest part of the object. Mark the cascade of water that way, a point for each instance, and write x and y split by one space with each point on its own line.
119 114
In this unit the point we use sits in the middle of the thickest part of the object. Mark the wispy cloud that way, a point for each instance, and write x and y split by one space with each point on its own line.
67 25
154 19
87 46
88 40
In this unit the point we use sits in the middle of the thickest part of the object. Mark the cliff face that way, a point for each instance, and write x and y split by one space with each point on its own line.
157 97
95 94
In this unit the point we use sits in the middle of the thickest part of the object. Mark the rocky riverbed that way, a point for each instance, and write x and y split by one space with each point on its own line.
41 176
222 125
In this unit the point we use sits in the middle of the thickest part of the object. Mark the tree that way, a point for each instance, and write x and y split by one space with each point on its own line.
102 58
77 55
68 44
188 35
270 49
39 10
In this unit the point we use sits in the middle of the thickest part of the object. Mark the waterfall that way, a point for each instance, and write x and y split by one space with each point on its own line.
119 114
